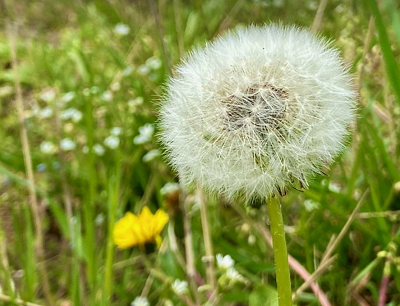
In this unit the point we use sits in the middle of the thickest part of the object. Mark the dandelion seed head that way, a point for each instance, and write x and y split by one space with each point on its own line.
256 110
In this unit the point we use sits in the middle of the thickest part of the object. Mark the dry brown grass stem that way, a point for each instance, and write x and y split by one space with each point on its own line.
190 264
209 258
34 205
333 243
316 26
160 31
6 298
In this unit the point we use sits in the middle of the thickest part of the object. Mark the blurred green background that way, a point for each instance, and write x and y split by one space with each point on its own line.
91 75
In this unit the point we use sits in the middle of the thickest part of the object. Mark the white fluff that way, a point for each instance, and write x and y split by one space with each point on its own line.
257 109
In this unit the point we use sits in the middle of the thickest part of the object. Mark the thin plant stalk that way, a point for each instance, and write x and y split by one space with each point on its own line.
209 259
190 264
34 205
280 252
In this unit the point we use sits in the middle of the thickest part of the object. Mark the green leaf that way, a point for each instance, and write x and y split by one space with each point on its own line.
264 295
392 69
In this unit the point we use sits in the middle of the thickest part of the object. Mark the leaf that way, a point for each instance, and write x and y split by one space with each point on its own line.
264 295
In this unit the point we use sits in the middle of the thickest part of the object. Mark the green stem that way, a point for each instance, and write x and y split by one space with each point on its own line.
280 252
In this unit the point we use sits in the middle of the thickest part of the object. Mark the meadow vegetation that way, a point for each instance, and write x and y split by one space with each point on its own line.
80 85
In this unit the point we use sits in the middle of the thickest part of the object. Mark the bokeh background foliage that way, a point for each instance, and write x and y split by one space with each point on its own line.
92 73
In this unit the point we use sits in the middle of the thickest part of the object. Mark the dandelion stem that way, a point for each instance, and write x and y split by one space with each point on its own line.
280 252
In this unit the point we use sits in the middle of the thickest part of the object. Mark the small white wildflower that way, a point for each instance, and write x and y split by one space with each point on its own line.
140 301
69 96
256 110
233 275
47 147
107 96
98 149
99 219
46 112
311 205
169 188
48 95
251 240
168 303
71 113
179 287
143 70
145 134
224 262
94 90
154 63
334 187
116 131
74 220
112 142
85 150
136 101
151 155
121 29
128 70
67 144
133 104
115 86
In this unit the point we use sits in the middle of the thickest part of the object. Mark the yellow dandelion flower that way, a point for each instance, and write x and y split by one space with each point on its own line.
139 229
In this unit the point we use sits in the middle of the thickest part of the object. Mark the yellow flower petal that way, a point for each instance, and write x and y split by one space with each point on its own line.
134 230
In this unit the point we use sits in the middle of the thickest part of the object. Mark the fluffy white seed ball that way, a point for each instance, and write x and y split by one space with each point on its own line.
257 109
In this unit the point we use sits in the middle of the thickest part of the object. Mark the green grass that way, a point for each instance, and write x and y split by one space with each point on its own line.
70 57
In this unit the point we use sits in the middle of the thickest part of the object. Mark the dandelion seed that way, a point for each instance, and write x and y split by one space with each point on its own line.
140 301
179 287
47 147
112 142
121 29
67 144
224 262
257 110
139 229
145 134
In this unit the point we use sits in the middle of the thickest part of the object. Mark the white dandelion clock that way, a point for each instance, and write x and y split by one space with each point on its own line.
256 110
